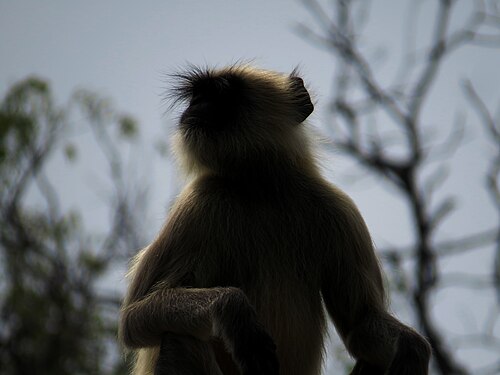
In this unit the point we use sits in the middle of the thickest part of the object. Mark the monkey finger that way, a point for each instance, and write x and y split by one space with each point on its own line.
255 352
364 368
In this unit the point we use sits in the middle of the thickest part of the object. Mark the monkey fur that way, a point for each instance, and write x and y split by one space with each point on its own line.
258 248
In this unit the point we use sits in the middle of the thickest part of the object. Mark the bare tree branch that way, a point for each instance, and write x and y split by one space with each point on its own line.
404 105
493 176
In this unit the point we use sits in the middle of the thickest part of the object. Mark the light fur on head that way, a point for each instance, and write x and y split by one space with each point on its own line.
240 116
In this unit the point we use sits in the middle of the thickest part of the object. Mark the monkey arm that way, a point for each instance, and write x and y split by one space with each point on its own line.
354 297
178 310
201 313
352 286
159 300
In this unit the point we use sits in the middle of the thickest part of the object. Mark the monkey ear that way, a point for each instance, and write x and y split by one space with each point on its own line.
301 97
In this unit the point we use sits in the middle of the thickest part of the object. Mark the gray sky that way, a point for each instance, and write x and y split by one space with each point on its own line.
124 48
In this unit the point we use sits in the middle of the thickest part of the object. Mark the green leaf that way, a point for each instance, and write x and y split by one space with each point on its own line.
70 152
128 127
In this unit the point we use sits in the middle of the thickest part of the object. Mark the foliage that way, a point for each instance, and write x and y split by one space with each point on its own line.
53 316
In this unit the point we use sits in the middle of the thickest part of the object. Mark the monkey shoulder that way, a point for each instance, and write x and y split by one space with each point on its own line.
303 206
298 196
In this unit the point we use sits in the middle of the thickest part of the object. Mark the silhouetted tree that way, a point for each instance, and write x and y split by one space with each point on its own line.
403 150
55 319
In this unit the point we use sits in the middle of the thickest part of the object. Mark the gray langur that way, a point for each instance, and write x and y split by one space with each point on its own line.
258 248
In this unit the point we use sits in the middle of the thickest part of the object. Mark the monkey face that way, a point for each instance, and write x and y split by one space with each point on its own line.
236 115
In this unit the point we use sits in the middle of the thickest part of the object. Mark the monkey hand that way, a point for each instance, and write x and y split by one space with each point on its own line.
251 346
255 352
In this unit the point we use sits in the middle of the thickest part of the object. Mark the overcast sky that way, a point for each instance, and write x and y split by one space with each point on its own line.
123 49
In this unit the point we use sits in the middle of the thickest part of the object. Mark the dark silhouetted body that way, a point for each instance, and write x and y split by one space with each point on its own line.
256 246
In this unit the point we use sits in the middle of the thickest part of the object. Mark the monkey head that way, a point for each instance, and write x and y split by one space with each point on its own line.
240 118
